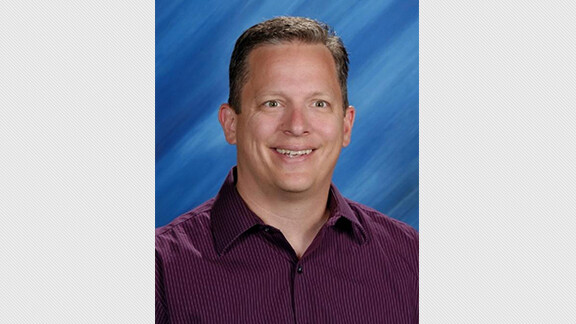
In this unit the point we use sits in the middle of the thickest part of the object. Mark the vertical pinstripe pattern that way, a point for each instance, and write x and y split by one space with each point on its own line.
219 263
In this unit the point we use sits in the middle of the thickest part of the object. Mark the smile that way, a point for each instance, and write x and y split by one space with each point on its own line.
292 154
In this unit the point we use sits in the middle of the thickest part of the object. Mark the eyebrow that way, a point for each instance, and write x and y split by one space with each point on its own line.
282 94
319 93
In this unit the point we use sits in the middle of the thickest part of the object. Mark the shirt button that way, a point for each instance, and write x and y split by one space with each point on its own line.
299 269
266 229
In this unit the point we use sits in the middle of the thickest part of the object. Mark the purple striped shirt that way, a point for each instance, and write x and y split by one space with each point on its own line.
219 263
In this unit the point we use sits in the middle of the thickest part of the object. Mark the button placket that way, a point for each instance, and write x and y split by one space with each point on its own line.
300 294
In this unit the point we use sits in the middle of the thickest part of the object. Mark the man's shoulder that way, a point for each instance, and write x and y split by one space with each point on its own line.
383 227
193 223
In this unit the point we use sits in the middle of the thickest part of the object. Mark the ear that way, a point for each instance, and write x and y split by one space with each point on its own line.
228 119
349 116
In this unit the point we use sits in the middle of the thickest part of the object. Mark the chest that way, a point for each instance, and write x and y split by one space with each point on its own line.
345 283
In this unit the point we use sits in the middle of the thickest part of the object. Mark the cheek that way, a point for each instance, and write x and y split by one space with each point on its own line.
260 128
331 130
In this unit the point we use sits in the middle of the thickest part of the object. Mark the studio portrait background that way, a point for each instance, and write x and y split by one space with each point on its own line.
194 41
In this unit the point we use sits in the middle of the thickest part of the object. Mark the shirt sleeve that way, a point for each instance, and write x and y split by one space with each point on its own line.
161 307
417 252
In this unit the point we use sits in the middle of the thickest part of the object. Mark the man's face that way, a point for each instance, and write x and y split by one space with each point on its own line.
292 125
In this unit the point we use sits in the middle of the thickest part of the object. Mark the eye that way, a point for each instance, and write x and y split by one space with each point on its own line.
272 103
320 104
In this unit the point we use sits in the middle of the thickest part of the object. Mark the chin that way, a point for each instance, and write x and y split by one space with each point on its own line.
295 186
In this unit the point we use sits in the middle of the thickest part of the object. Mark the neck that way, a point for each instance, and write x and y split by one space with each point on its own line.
298 216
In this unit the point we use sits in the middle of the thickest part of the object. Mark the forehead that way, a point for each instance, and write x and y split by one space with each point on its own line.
289 52
281 61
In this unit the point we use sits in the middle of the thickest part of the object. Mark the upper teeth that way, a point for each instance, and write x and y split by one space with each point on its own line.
293 153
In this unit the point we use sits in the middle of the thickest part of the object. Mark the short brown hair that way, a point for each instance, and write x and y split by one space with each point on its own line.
279 30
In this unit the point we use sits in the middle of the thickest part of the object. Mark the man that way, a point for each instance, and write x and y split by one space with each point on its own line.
279 244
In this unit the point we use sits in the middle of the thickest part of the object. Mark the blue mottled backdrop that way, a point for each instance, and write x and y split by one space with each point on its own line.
194 41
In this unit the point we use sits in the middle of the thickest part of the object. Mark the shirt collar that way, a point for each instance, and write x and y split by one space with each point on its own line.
231 217
341 214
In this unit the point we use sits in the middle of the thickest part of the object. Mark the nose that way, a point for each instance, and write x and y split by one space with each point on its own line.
295 122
